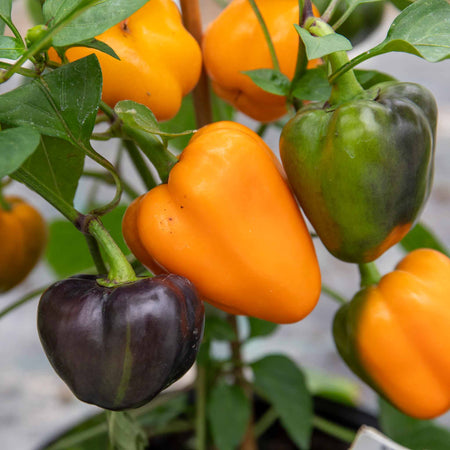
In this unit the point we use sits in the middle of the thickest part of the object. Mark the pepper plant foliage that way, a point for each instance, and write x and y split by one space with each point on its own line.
51 123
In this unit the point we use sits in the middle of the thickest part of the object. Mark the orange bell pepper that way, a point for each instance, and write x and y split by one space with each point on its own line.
234 42
23 236
160 62
396 335
228 222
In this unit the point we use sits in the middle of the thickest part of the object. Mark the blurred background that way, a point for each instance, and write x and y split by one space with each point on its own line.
35 404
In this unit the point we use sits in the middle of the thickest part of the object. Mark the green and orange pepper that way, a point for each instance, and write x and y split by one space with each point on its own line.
396 335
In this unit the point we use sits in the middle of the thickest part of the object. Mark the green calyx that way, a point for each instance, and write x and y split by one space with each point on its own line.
346 87
120 270
36 33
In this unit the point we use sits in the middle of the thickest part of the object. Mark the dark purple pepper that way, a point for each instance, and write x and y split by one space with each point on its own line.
118 347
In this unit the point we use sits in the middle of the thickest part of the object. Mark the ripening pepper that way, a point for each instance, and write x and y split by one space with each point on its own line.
361 164
118 347
234 42
23 235
228 222
396 335
160 62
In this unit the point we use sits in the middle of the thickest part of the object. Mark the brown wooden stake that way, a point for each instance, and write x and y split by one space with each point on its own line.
202 99
203 113
249 441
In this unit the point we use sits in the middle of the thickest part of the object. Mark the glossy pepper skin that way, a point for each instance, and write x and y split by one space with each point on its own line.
362 170
23 235
160 62
396 335
227 221
234 42
117 348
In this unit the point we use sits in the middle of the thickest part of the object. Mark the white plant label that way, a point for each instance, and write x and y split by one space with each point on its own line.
370 439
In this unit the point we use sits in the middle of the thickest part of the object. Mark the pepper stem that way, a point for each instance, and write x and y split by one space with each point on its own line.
120 270
369 274
346 86
4 205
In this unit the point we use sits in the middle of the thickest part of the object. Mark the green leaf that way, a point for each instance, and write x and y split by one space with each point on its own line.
228 414
412 433
34 8
333 387
270 80
76 257
260 328
5 10
317 47
137 115
313 85
402 4
10 47
422 237
219 329
124 432
369 78
62 103
422 29
98 45
280 381
58 165
92 21
16 145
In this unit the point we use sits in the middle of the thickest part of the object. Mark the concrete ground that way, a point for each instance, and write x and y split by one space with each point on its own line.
34 402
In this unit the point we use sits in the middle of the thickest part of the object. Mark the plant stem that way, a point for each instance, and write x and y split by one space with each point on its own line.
333 429
329 11
48 194
369 274
12 27
4 205
354 62
347 86
262 129
249 441
200 412
94 250
266 33
106 177
302 62
333 294
201 94
120 270
343 18
266 421
22 301
22 71
161 158
140 164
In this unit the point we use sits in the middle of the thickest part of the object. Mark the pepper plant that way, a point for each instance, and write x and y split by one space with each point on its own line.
217 248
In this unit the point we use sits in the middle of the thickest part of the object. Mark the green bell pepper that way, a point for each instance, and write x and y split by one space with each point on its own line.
361 164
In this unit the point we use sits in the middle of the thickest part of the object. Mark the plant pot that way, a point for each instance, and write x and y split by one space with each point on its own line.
274 438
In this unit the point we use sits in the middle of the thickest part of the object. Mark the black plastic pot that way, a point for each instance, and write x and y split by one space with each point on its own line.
275 438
